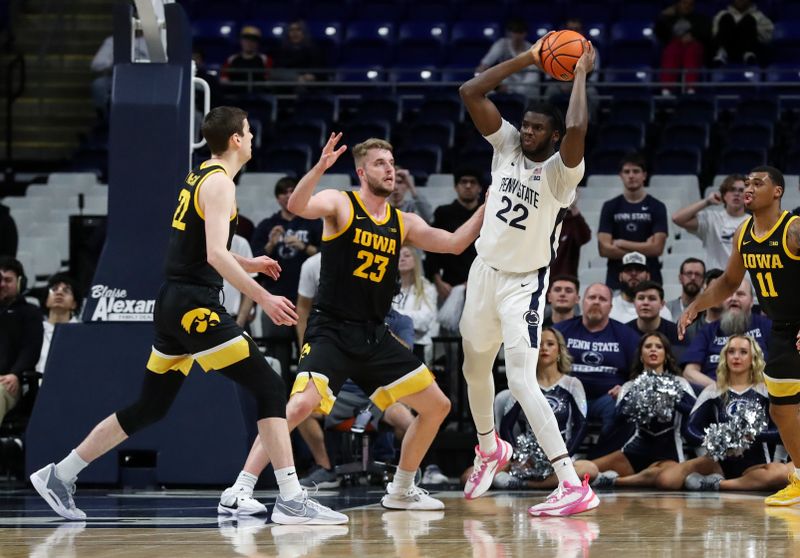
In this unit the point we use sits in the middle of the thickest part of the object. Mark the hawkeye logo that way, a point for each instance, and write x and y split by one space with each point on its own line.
113 305
199 320
306 350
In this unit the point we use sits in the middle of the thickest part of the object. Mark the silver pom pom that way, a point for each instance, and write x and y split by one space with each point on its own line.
734 437
529 461
652 397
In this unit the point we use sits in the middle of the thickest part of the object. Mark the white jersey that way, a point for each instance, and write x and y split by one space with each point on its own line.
525 206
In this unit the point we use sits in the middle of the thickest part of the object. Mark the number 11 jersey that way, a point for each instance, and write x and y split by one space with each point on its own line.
526 203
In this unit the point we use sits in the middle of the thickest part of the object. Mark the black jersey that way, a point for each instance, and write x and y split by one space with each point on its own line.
773 269
358 274
187 260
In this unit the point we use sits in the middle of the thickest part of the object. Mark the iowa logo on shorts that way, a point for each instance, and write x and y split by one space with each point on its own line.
199 320
306 349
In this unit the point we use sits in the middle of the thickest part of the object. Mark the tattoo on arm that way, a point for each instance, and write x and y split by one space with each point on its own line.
794 235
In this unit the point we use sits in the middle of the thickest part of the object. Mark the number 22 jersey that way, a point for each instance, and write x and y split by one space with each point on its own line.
526 203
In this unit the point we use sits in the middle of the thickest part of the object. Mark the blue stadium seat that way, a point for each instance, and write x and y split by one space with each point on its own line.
741 160
322 107
469 42
677 160
632 74
233 9
382 10
597 32
632 44
728 77
363 130
624 136
379 108
692 135
440 134
752 135
634 110
261 106
323 9
477 157
757 109
441 108
294 159
785 46
479 10
420 159
368 43
511 106
693 109
604 160
407 80
326 31
274 10
420 44
783 73
309 131
458 73
792 165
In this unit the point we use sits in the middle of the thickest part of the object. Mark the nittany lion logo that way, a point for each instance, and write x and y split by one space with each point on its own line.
199 320
532 318
304 351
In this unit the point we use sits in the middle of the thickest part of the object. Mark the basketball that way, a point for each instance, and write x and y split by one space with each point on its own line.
560 52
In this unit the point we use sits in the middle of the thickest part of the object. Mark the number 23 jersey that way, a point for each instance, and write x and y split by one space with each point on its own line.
526 203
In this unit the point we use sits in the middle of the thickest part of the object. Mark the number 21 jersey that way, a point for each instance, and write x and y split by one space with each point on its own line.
526 203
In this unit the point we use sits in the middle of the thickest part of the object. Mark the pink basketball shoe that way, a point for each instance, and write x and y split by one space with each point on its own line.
485 467
567 500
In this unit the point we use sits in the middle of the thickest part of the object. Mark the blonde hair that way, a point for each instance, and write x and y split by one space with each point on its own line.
564 361
756 367
360 149
419 283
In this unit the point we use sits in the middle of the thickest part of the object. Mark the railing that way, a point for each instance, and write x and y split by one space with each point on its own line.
16 64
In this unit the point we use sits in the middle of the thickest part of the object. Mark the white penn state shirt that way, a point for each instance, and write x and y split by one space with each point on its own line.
525 206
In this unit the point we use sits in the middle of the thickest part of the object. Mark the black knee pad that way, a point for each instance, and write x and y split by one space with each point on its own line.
257 376
158 393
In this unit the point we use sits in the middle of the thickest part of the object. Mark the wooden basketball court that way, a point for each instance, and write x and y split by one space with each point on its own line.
184 523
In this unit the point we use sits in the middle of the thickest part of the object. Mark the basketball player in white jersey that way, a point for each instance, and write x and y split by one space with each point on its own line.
532 188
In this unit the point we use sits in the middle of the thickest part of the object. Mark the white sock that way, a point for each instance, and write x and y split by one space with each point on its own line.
487 442
403 480
246 482
69 467
288 483
565 471
797 473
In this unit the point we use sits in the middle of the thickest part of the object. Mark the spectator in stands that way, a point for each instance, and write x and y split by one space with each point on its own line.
575 232
238 305
563 297
298 56
417 299
690 277
714 227
8 233
289 240
740 377
558 92
657 444
701 358
249 65
649 301
711 315
634 221
602 351
20 333
62 303
403 185
514 43
685 35
633 272
741 32
103 65
448 270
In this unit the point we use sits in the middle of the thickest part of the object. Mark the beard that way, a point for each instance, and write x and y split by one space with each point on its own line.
734 322
378 187
691 289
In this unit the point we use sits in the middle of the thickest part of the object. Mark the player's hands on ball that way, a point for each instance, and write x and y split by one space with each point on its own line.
586 62
280 310
329 153
263 264
536 50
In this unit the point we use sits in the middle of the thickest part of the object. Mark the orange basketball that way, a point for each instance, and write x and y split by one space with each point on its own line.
560 52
